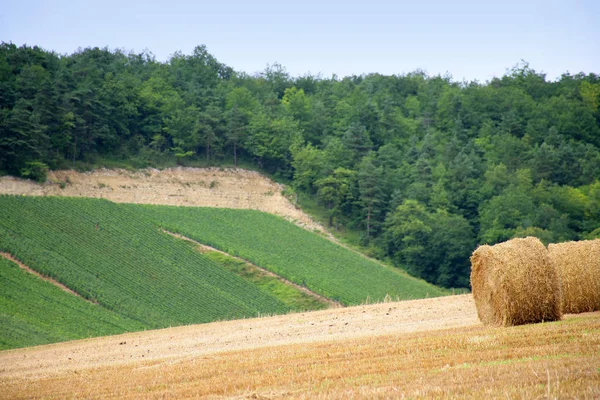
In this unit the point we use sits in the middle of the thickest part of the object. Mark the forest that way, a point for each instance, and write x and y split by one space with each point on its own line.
424 167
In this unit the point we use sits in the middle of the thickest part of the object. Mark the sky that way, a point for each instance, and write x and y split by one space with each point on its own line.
467 39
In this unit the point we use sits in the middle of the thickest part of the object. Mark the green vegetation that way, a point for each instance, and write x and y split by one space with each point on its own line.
300 256
290 296
409 162
36 312
115 257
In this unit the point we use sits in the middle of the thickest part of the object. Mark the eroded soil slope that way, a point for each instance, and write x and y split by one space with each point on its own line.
203 187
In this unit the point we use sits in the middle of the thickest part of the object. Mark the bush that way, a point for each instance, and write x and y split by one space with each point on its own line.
35 170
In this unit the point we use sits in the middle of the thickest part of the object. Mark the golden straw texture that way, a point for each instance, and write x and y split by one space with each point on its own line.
515 283
578 266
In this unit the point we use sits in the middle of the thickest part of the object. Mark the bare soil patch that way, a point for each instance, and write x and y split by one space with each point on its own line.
179 343
201 187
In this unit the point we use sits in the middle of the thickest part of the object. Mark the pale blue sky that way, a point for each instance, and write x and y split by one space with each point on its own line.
469 39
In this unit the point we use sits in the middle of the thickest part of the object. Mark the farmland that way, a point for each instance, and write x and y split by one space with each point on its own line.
35 312
293 297
117 256
114 257
300 256
429 348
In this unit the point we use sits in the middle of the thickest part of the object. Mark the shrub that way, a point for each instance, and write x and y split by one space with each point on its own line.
35 170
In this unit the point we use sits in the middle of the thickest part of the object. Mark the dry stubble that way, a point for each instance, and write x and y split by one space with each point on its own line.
555 360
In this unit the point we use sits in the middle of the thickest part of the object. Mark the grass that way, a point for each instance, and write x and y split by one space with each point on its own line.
117 258
286 293
36 312
291 252
548 360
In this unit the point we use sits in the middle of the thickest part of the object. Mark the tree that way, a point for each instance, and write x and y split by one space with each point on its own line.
356 139
592 212
452 242
22 137
334 189
182 126
371 192
308 163
297 104
209 127
277 78
407 233
432 245
501 216
236 129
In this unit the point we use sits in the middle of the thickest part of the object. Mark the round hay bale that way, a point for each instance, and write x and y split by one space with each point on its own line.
515 283
578 266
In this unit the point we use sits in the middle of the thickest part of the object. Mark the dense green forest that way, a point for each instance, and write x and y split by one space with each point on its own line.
425 167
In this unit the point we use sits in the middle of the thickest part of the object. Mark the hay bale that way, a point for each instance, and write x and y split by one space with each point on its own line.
515 283
578 266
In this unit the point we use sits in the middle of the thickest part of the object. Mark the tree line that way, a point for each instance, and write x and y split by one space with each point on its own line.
423 166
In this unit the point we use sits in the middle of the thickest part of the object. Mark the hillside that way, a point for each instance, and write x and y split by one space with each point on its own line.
35 312
201 187
196 341
229 188
118 256
302 257
420 168
430 348
113 256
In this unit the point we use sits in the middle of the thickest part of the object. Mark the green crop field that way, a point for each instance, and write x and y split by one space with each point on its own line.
114 256
300 256
290 295
36 312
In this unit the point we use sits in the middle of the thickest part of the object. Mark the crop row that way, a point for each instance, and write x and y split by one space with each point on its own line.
36 312
116 257
291 252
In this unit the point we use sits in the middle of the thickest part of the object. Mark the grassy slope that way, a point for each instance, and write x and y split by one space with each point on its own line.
288 294
36 312
110 254
291 252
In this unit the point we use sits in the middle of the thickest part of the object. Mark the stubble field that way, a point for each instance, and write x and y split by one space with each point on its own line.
427 348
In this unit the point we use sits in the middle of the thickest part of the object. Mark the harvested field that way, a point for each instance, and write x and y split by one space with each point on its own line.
202 187
204 339
418 349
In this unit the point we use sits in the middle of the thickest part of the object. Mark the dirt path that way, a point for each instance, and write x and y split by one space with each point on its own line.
47 279
205 248
202 340
204 187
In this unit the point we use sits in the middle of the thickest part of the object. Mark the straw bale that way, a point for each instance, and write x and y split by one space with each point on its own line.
578 266
515 283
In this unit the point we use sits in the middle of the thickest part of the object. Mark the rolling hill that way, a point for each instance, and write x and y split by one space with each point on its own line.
140 277
115 257
296 254
36 312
